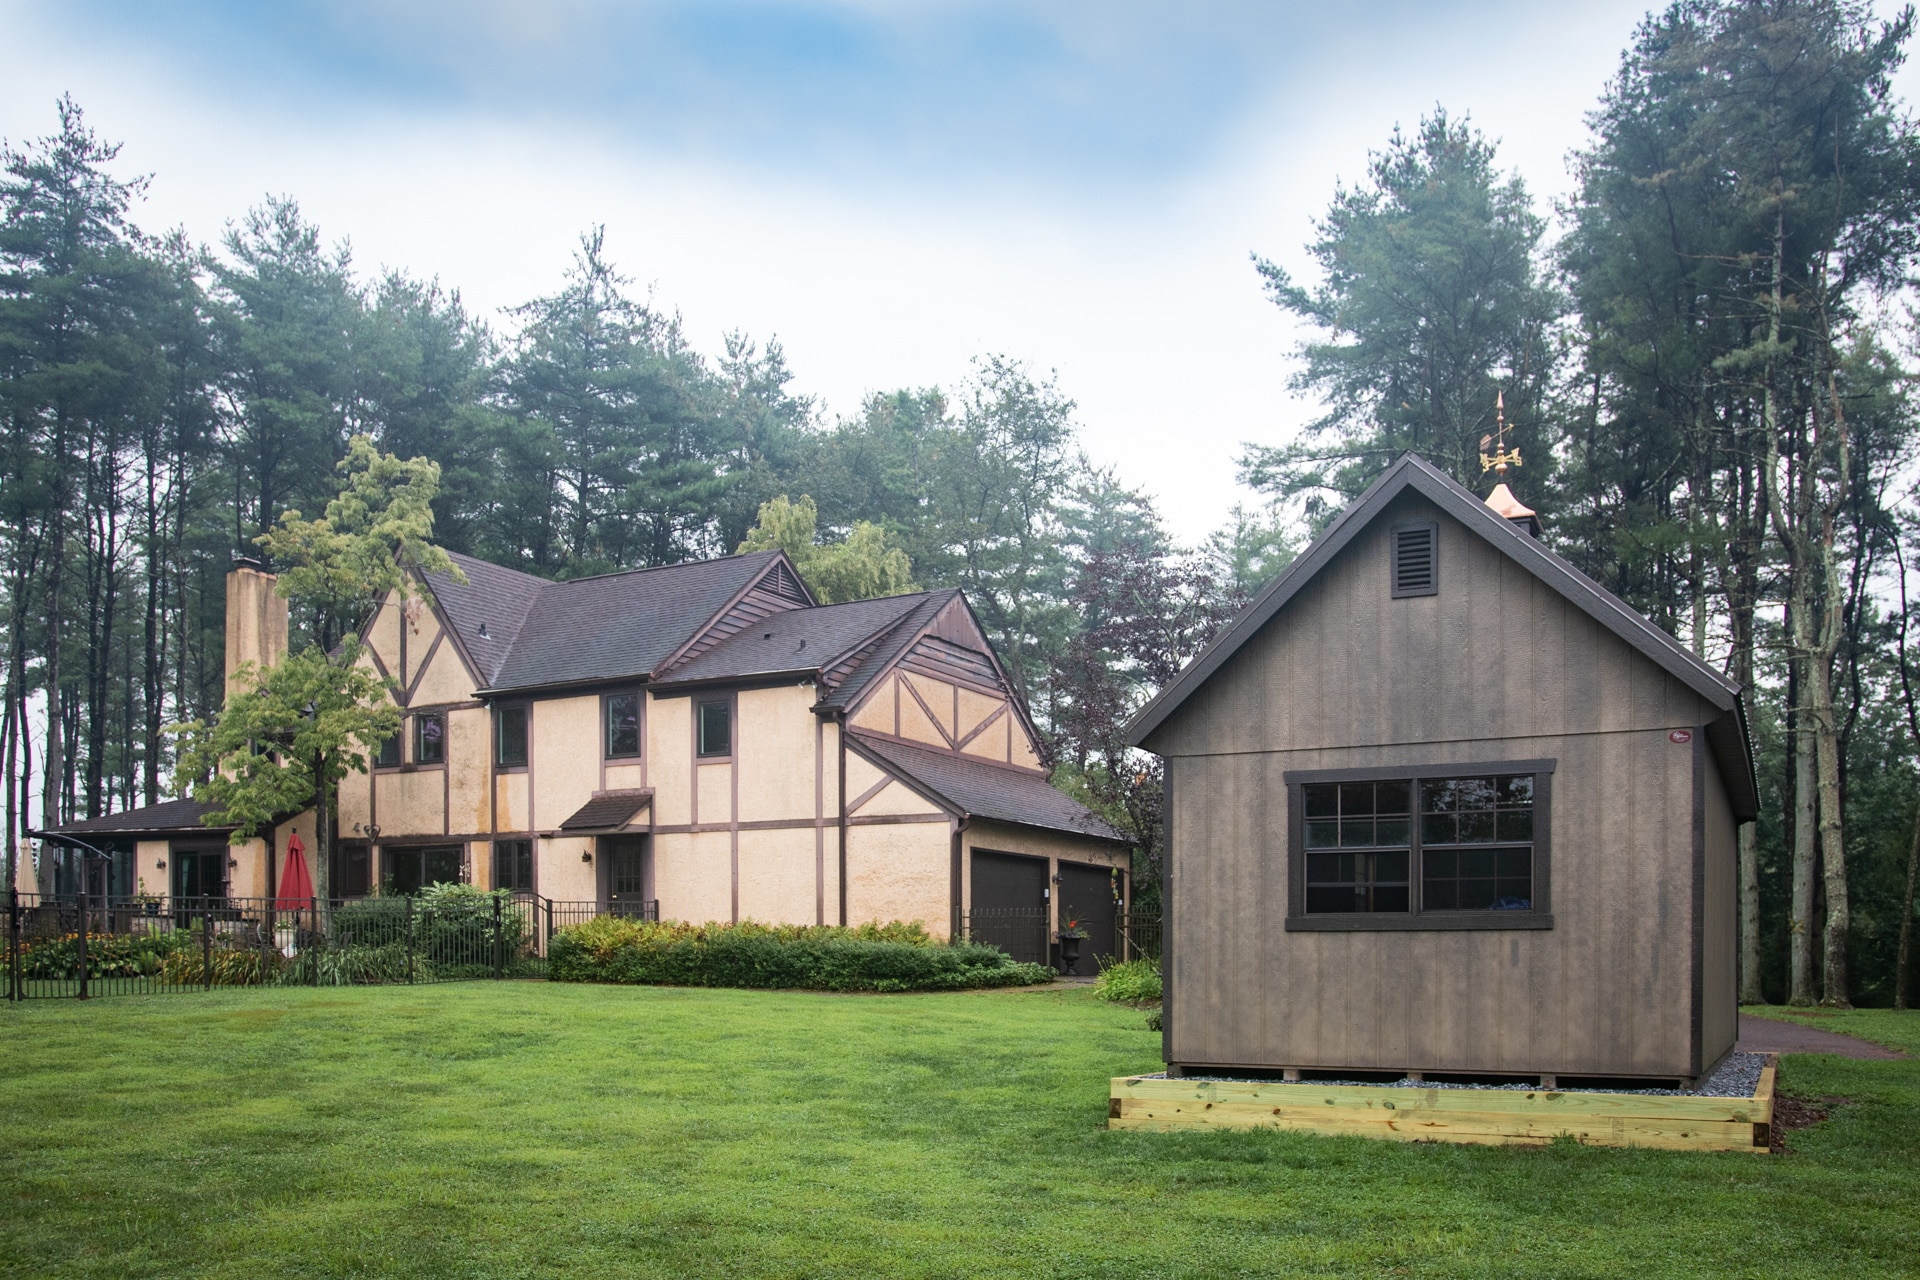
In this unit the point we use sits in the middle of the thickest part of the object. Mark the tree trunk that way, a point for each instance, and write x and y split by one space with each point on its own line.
1751 990
1833 853
1903 964
322 868
1805 785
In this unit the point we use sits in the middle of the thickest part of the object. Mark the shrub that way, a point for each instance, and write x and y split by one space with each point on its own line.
232 966
108 955
452 929
361 965
1134 982
889 957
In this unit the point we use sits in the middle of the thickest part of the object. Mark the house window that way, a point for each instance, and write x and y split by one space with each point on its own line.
1443 848
623 725
714 727
1416 559
386 755
510 736
351 870
513 864
411 868
430 738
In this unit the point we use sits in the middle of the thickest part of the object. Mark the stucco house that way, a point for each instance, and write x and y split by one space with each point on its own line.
704 736
1439 803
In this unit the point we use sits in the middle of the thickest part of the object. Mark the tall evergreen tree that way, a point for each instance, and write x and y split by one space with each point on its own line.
1432 303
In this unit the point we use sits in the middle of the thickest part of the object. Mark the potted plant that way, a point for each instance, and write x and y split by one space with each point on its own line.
1072 934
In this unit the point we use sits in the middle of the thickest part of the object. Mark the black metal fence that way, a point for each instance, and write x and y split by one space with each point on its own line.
82 946
1026 933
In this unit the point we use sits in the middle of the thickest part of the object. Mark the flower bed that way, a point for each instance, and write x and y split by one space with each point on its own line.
891 957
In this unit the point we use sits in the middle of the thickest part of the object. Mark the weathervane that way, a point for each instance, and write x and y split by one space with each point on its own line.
1502 457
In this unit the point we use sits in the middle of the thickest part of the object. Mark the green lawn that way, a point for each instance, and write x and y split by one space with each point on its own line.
522 1129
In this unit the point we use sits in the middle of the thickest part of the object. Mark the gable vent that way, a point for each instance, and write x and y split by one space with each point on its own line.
782 583
1416 568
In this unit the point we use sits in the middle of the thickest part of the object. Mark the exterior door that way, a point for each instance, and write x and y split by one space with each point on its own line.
1010 904
200 874
1086 895
626 859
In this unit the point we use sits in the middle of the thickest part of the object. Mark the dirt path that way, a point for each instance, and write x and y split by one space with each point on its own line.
1764 1035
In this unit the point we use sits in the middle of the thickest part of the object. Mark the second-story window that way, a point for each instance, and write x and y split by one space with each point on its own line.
623 725
714 727
387 754
430 738
510 736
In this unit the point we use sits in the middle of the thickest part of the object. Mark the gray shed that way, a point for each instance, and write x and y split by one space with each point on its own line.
1439 803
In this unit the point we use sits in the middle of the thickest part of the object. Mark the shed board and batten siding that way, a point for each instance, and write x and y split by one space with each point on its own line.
1495 666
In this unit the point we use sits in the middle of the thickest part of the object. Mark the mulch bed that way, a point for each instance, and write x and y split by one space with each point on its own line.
1790 1113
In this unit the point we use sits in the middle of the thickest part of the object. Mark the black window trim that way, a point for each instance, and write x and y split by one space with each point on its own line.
494 719
1393 566
731 702
1540 917
639 752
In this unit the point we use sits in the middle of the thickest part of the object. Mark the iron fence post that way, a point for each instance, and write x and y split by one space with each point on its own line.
499 952
313 936
547 942
206 946
13 942
409 938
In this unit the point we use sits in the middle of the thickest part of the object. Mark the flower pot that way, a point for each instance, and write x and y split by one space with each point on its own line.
1070 953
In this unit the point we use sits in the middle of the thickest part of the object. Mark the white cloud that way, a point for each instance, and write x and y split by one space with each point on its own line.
1139 292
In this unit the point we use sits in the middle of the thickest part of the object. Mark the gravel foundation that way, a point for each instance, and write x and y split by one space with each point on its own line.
1736 1077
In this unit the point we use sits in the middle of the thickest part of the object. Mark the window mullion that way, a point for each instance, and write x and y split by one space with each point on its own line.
1416 854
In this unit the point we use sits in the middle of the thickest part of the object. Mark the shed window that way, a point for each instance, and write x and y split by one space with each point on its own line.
430 738
623 725
714 727
1434 848
510 736
1416 559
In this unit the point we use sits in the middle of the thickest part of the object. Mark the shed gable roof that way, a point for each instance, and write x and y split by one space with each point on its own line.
1412 472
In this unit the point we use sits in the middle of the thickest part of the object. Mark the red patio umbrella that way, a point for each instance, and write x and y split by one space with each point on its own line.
296 887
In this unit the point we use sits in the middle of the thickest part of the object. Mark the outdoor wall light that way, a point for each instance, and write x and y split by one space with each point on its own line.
160 865
587 856
233 864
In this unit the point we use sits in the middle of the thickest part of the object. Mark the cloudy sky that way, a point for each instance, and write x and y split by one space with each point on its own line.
890 189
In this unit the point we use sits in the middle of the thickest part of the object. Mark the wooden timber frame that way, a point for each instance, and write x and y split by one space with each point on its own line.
1532 1117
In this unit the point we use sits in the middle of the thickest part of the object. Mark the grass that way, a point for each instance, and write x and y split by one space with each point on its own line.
522 1130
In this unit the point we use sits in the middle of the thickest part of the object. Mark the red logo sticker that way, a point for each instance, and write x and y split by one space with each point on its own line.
1680 736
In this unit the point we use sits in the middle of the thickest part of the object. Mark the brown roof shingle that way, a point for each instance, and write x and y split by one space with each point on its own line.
609 810
976 788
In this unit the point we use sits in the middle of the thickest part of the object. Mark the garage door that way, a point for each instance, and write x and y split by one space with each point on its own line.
1086 894
1010 904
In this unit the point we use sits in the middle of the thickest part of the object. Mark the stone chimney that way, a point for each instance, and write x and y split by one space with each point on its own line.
256 619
